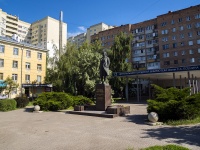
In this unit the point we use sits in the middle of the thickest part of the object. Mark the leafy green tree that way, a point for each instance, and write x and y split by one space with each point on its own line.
10 85
119 55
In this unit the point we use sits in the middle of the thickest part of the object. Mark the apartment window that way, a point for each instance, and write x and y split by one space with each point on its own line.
2 48
189 34
164 39
166 63
173 29
198 32
197 16
27 78
39 79
191 51
1 76
39 55
190 43
164 31
183 52
175 61
1 62
39 67
166 46
182 44
28 65
175 53
165 55
173 37
172 22
163 24
188 18
182 36
28 53
180 19
198 50
181 28
192 60
198 41
174 45
15 64
14 77
183 61
197 24
189 26
15 51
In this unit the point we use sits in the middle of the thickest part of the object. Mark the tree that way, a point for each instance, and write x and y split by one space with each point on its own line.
119 55
10 85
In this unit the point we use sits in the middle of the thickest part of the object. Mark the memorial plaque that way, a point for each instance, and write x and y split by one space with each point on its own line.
103 96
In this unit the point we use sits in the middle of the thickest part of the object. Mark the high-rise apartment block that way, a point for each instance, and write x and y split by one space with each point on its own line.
43 33
169 40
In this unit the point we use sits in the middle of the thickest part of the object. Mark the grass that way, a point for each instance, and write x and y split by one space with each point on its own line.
30 104
183 122
166 147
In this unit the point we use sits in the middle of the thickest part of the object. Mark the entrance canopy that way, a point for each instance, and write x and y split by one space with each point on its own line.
165 73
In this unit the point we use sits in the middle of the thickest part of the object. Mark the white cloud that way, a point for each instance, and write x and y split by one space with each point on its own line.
81 29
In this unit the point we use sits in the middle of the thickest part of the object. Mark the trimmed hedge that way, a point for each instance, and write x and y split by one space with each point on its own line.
7 104
53 101
22 102
81 100
174 104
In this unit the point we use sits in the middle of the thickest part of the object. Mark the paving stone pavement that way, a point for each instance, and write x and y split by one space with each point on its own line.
24 130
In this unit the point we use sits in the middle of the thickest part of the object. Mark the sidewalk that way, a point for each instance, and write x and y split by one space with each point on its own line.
21 130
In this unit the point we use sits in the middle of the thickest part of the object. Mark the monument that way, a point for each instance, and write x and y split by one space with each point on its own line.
103 89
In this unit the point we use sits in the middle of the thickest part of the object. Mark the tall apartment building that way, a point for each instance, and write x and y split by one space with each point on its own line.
78 39
107 36
95 29
44 32
179 37
23 62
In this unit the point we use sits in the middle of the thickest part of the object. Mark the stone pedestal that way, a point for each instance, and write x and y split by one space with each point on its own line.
103 96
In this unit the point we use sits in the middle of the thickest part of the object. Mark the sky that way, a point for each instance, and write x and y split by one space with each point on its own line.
81 14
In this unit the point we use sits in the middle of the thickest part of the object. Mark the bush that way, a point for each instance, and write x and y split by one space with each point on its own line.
53 101
81 100
166 147
174 104
22 102
7 104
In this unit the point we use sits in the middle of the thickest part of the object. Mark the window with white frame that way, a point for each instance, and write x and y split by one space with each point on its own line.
27 78
180 19
14 77
15 64
165 39
173 29
28 65
165 55
175 53
172 22
15 51
190 43
1 76
183 52
39 78
39 55
174 37
191 51
192 60
188 18
2 48
189 26
39 67
189 34
197 16
164 31
181 28
1 62
182 36
28 53
198 41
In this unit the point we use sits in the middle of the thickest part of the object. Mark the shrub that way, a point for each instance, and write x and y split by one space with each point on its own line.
53 101
81 100
166 147
7 104
174 104
22 102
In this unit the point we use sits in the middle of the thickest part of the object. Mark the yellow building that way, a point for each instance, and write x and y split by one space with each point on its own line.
24 63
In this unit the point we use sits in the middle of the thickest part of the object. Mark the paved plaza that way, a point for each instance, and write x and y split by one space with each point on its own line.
24 130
